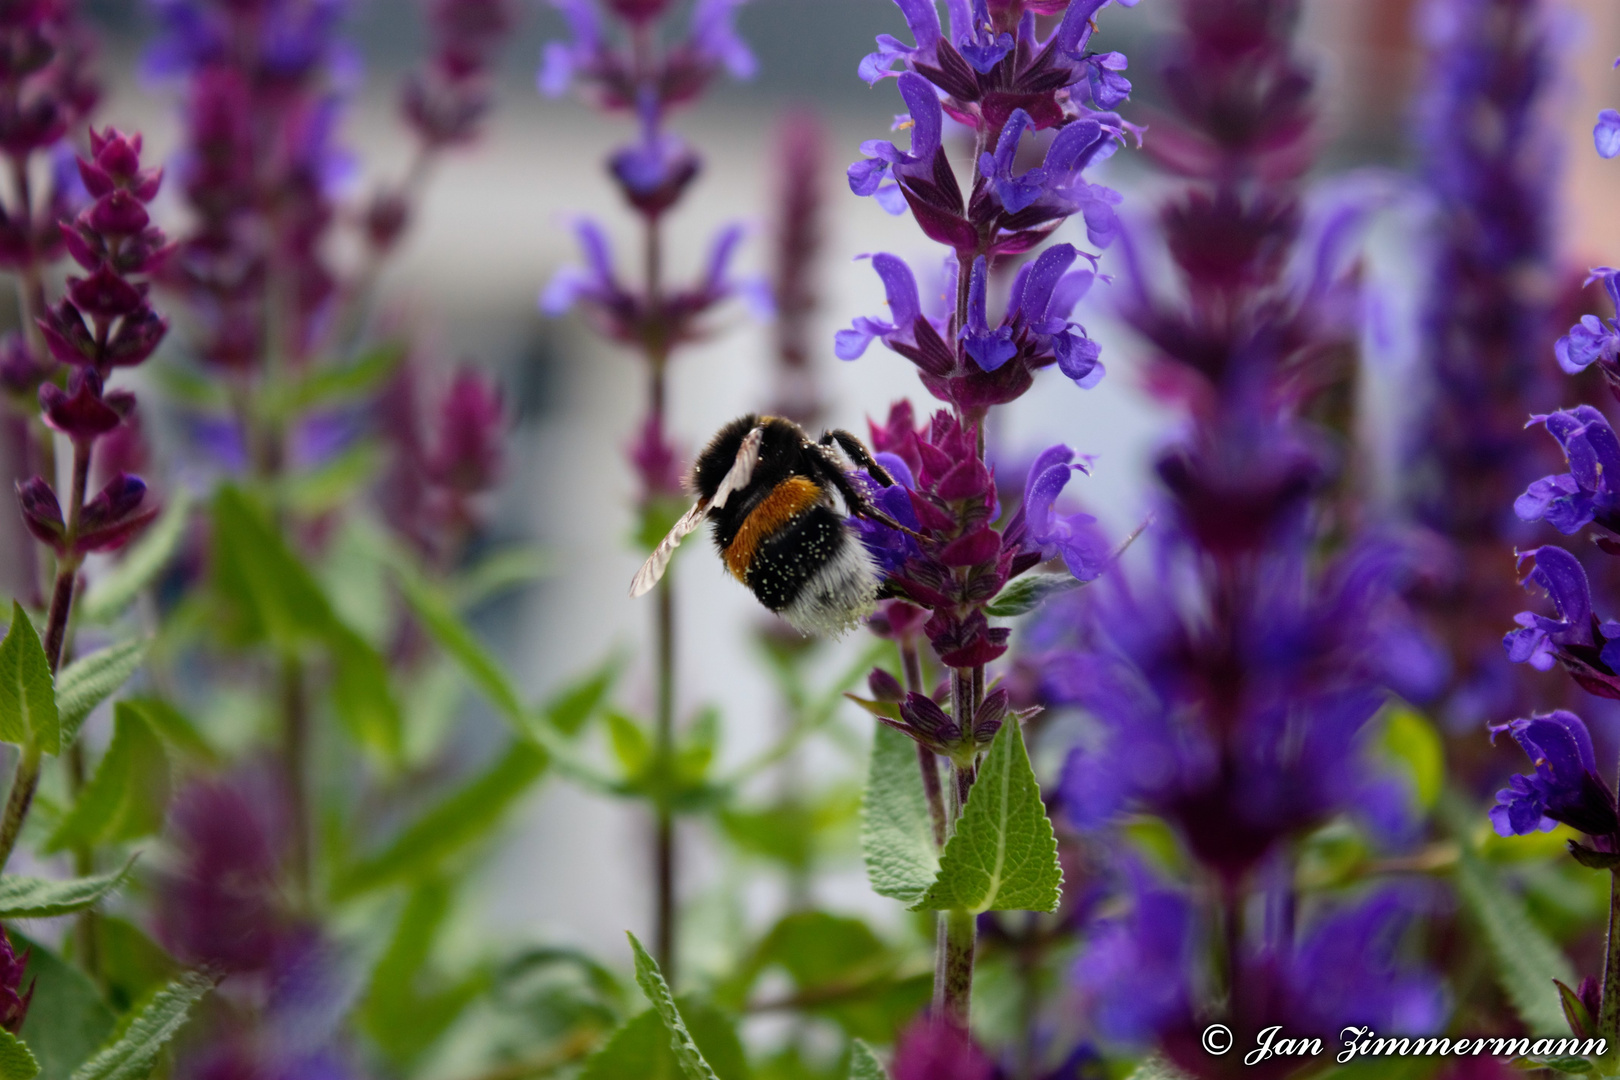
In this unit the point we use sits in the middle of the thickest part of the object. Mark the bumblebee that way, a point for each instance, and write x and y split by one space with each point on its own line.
768 488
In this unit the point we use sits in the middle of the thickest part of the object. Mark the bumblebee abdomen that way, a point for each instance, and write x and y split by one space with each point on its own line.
784 503
814 572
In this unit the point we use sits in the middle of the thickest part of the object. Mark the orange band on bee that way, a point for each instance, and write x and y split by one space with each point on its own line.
786 501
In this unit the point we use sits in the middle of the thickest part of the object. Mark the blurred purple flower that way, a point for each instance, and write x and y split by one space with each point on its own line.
1594 340
932 1050
14 1000
1566 785
1607 133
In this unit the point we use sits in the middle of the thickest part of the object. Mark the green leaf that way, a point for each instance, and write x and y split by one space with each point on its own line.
90 680
1527 961
27 695
640 1049
16 1060
329 383
40 898
174 727
149 1032
864 1064
132 964
404 1020
651 981
1025 594
142 562
129 793
483 670
67 1019
1411 740
520 564
332 483
630 744
267 593
897 831
462 818
1003 856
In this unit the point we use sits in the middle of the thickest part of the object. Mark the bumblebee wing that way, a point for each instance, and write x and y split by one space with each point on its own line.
658 561
742 468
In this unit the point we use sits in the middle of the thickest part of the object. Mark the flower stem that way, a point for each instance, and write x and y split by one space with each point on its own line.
1609 1010
294 760
955 991
23 784
664 838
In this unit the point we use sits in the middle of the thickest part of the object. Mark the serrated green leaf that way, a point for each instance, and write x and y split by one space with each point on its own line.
1003 855
651 981
1526 960
90 680
67 1019
864 1064
897 831
41 898
141 564
27 693
1025 594
149 1032
465 816
640 1048
129 793
16 1060
174 727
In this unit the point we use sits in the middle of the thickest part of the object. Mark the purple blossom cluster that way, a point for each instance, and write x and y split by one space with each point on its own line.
104 322
1231 685
1488 163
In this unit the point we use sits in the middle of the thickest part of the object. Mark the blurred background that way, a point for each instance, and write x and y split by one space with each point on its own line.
493 230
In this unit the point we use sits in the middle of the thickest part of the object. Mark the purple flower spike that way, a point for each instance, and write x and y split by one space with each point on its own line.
1584 495
1565 786
1015 192
1607 133
1073 536
1132 973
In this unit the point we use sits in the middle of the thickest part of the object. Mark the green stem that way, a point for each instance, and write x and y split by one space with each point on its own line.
1609 1010
295 766
23 784
961 934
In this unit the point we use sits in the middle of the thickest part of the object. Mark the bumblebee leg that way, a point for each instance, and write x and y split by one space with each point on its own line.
854 498
858 454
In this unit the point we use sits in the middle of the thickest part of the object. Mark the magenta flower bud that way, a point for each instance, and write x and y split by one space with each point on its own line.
884 686
113 517
138 334
66 334
104 294
13 999
467 458
42 513
117 214
81 412
386 219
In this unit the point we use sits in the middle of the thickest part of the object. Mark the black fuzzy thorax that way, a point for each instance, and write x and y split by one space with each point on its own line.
782 454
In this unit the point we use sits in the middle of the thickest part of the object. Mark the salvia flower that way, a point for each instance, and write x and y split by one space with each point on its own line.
1587 648
995 365
1607 133
1584 495
992 62
659 324
446 101
1566 785
14 999
1005 213
1594 340
611 73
